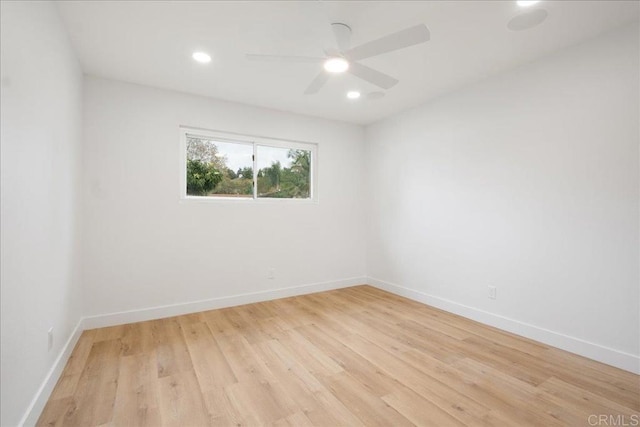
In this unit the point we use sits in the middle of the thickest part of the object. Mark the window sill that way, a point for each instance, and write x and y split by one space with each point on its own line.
244 200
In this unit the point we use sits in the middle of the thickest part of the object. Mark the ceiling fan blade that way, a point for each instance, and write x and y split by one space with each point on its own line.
283 58
331 52
317 83
401 39
372 76
342 33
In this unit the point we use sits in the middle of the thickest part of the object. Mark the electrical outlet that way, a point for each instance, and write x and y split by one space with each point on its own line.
271 274
50 339
492 292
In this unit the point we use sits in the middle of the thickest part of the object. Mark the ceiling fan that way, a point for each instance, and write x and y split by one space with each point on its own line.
346 58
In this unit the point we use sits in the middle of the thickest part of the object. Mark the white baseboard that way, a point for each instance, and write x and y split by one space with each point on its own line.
30 418
628 362
112 319
619 359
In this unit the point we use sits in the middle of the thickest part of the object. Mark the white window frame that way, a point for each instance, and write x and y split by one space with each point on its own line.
254 141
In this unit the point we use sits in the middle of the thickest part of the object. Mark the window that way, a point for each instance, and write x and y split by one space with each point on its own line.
283 173
226 166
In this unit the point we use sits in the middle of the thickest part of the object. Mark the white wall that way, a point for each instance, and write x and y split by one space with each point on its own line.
527 181
144 248
41 135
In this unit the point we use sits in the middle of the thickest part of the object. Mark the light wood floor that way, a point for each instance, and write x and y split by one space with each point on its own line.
356 356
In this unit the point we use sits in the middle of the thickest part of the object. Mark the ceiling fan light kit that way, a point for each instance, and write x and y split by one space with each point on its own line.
201 57
346 58
527 3
336 65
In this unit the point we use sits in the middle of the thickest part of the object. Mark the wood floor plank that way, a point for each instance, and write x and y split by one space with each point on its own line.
257 401
303 388
445 350
505 359
439 395
96 391
359 368
299 385
314 359
109 333
418 410
132 339
57 412
245 364
68 381
347 357
624 392
298 419
137 400
541 410
80 353
218 323
369 408
210 365
454 320
180 400
221 411
584 399
171 350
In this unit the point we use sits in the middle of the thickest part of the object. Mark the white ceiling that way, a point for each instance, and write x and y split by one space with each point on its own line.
150 43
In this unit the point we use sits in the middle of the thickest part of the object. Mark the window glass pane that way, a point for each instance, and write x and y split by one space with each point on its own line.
219 169
283 172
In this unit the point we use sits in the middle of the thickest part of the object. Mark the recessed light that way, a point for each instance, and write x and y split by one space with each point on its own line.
353 94
527 3
201 57
336 65
375 95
